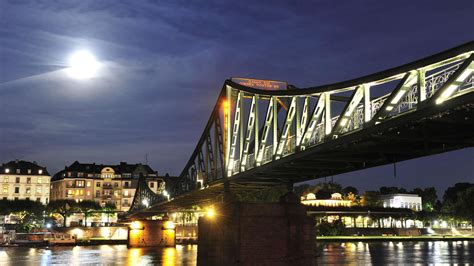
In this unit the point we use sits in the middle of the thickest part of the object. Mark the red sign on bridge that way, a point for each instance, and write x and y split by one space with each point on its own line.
261 84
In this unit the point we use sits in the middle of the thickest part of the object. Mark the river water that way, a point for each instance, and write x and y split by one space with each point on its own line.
332 253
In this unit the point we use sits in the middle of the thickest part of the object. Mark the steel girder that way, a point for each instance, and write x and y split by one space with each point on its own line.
290 137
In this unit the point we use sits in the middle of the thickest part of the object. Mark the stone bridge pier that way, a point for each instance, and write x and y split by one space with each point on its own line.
257 234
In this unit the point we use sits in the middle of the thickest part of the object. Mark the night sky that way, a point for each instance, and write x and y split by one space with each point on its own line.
163 64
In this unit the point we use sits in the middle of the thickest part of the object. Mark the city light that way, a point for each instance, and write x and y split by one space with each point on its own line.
48 225
136 225
83 65
169 225
146 203
210 213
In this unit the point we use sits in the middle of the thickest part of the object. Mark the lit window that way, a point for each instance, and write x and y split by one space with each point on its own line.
40 171
5 189
7 170
29 171
28 190
38 190
70 192
125 193
40 180
88 183
5 179
80 183
88 193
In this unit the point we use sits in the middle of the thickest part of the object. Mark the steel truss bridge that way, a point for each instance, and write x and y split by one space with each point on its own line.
258 138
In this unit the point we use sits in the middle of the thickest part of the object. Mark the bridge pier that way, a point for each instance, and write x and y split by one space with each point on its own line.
257 234
151 233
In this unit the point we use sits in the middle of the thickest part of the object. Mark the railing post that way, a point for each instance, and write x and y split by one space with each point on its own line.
367 104
327 114
421 85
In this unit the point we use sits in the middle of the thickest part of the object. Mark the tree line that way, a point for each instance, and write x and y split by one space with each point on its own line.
34 215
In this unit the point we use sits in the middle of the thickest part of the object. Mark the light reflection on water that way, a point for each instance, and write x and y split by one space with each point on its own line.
396 252
103 255
332 253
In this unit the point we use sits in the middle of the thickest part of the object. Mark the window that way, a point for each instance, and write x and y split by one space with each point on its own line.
28 190
97 184
116 193
88 183
29 171
40 180
27 198
5 189
80 174
116 184
5 198
5 179
16 198
38 199
38 190
7 170
125 193
152 184
80 183
17 171
126 184
28 180
70 192
88 193
97 194
17 180
17 190
47 200
40 171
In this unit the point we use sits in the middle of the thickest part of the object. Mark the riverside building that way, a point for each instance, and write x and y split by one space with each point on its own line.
24 180
113 184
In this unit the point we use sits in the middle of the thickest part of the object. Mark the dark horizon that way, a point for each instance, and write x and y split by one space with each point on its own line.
164 64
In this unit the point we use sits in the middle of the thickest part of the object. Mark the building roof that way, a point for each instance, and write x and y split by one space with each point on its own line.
12 166
93 168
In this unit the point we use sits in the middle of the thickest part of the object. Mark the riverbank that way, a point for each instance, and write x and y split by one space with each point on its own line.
393 238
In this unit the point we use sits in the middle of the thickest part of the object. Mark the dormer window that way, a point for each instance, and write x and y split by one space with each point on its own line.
7 170
29 171
40 171
17 171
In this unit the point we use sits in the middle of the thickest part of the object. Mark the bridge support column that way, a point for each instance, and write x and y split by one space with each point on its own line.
151 233
257 234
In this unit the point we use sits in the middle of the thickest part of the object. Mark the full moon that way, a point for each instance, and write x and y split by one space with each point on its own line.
82 65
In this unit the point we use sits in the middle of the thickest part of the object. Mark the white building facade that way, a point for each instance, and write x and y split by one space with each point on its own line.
23 180
407 201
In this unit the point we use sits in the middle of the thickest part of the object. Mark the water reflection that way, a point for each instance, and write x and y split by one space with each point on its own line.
396 252
332 253
104 254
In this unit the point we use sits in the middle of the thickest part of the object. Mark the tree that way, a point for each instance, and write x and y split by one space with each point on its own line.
29 213
391 190
64 207
266 195
109 208
371 199
428 197
451 194
88 207
464 207
350 189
